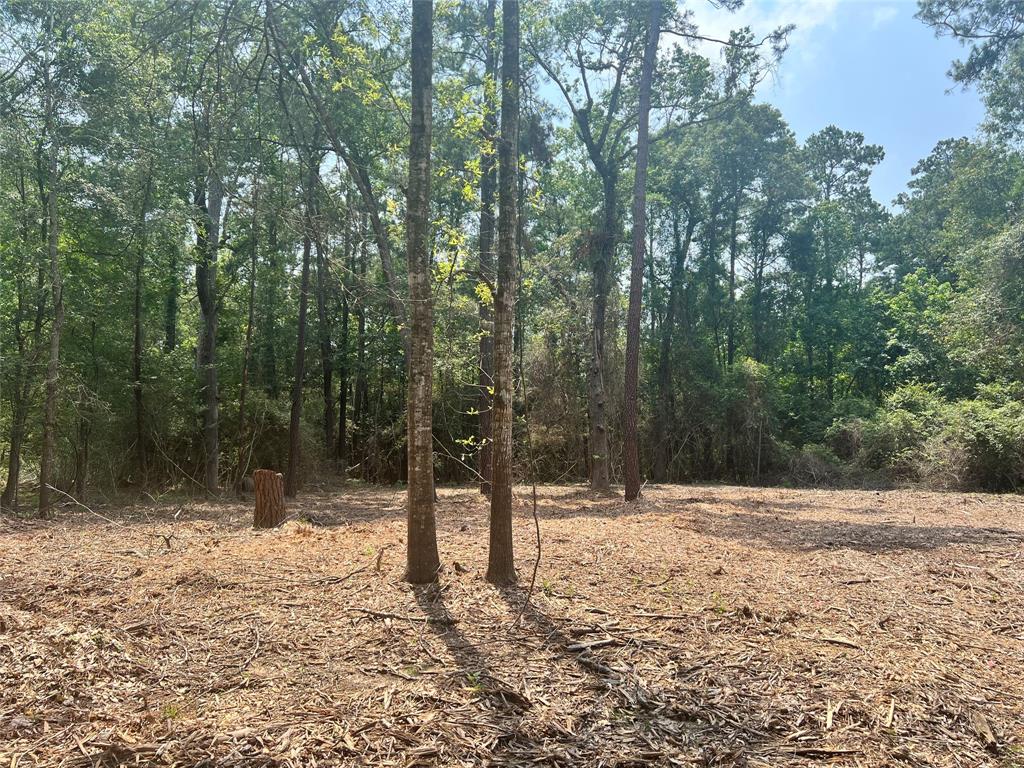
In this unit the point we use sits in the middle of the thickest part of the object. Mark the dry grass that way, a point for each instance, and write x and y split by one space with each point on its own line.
700 626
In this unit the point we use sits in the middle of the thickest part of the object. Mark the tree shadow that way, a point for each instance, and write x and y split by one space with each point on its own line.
474 667
771 531
647 722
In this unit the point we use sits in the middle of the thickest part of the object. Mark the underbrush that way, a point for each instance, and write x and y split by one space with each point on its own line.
919 437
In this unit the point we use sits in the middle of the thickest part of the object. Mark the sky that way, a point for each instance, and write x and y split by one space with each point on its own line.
863 65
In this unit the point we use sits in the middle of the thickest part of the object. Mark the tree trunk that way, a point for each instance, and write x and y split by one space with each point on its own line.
243 462
141 458
733 253
291 483
488 182
208 201
422 562
82 447
500 563
361 404
326 344
636 279
48 460
268 488
602 248
665 421
171 307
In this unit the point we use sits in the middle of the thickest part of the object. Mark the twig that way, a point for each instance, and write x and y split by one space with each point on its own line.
88 509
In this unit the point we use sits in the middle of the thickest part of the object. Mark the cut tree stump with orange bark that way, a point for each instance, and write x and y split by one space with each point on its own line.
269 486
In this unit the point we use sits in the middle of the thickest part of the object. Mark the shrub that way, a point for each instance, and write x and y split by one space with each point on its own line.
980 444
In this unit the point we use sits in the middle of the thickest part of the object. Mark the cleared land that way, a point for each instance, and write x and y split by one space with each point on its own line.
701 626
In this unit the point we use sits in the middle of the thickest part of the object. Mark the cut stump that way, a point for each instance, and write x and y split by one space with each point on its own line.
269 488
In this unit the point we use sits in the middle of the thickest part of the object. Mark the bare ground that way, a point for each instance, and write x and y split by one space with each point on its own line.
705 626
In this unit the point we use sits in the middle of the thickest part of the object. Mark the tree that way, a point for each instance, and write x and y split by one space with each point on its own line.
488 182
630 438
46 464
500 564
291 484
422 562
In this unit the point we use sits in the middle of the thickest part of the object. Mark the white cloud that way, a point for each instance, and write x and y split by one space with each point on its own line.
763 16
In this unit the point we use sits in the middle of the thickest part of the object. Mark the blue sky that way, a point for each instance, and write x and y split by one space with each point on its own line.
864 65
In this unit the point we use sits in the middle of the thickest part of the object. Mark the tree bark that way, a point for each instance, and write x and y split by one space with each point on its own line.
22 363
291 483
247 353
733 254
268 488
631 442
488 183
602 252
665 420
500 563
208 202
326 345
171 307
361 406
49 454
141 458
422 562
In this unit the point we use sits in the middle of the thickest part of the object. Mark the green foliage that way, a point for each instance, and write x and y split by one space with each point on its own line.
794 329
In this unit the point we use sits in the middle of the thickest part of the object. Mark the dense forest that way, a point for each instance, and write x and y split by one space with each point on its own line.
241 233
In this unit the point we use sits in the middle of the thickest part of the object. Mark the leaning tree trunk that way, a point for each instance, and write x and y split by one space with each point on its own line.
636 279
268 487
500 564
422 562
487 186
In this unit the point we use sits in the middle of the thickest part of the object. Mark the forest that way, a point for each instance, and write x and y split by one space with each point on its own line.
547 293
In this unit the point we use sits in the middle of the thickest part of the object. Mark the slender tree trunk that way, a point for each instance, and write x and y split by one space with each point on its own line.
733 253
171 306
636 279
500 563
361 406
422 562
665 422
342 448
22 365
269 300
326 344
82 446
757 298
291 480
208 202
602 248
141 458
48 460
488 182
243 393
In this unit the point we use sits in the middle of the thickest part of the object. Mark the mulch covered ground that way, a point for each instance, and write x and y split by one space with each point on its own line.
701 626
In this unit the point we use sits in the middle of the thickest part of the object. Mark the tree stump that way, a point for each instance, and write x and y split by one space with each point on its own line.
269 486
